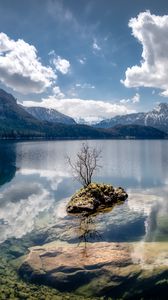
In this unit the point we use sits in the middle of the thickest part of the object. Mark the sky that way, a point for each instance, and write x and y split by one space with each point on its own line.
90 59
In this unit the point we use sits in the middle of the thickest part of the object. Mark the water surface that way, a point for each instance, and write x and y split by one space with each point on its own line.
36 184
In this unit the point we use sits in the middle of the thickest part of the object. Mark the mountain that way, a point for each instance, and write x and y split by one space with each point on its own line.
136 132
14 119
16 122
88 121
134 118
157 118
49 115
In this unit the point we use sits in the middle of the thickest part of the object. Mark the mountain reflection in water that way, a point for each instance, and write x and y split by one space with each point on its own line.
7 162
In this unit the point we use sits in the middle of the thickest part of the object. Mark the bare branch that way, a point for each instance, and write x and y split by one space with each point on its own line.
86 164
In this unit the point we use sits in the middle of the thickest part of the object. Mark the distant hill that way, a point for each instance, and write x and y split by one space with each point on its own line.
136 132
157 118
49 115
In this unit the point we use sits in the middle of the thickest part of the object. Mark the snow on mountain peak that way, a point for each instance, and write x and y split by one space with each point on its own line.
157 118
161 108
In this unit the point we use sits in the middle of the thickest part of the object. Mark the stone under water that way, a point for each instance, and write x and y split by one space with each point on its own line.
101 268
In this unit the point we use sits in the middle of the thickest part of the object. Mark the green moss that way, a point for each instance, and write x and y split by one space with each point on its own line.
12 287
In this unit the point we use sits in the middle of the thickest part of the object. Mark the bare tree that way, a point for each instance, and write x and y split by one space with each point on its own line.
85 165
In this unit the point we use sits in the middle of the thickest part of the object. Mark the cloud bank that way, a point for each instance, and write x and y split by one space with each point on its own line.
89 110
152 32
21 68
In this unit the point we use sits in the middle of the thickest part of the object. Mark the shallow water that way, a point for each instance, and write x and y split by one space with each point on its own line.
36 183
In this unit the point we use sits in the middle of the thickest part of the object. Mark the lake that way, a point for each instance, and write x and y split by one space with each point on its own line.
121 253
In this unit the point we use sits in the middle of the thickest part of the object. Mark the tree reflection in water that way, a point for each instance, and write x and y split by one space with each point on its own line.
87 231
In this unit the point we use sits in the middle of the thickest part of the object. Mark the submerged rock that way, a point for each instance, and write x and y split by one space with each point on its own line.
67 267
118 270
94 197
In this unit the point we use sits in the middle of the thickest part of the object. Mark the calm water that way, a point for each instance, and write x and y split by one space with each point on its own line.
36 183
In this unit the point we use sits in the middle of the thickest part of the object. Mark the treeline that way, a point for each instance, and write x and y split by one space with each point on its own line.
61 131
50 131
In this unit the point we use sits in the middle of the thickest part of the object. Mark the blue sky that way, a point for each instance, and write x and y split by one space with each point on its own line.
89 59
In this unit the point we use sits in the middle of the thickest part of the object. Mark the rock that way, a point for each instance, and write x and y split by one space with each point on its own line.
120 194
94 197
98 269
60 264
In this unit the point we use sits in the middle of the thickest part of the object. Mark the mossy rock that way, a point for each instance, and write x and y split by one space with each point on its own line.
94 197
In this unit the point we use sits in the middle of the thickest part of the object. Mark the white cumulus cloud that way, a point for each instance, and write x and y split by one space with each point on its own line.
89 110
134 99
21 68
57 92
61 64
152 32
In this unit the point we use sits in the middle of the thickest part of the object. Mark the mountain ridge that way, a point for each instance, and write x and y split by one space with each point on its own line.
17 123
157 118
49 115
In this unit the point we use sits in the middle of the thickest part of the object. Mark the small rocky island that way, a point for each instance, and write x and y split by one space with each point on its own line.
92 197
95 197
